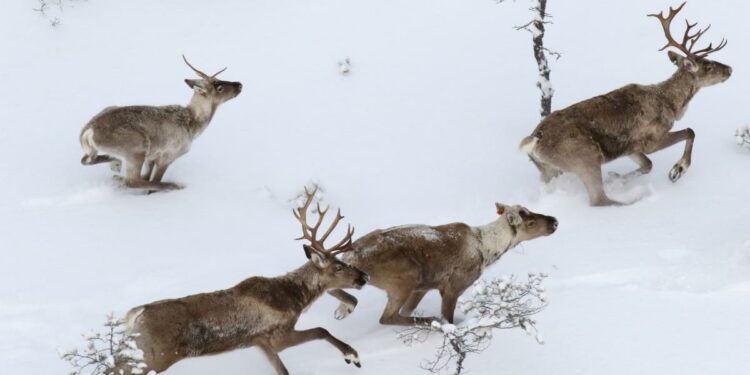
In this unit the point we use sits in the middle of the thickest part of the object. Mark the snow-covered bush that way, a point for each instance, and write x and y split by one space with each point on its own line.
503 303
104 350
742 136
53 9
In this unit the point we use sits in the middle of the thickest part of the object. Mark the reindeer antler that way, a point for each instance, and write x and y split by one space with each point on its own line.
310 233
200 73
688 41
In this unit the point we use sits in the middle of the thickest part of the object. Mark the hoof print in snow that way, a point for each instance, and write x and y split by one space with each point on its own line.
345 66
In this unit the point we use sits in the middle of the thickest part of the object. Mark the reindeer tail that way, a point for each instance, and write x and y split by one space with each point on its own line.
528 144
87 143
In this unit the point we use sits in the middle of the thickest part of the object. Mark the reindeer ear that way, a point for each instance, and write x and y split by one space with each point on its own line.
501 208
318 259
197 85
683 62
510 214
675 58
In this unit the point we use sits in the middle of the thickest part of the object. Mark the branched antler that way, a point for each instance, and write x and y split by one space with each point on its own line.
688 41
200 73
310 233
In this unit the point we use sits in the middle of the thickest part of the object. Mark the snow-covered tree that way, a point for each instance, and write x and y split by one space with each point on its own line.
537 29
105 350
503 303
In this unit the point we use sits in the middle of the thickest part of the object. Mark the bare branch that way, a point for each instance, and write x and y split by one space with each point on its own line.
497 304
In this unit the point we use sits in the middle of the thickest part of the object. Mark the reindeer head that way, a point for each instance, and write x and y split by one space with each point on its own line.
212 88
333 273
705 72
528 225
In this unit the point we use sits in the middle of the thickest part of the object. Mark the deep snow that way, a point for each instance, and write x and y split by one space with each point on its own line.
423 129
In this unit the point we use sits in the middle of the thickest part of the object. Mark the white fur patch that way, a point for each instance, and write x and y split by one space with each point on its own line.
497 238
353 358
528 144
87 142
132 317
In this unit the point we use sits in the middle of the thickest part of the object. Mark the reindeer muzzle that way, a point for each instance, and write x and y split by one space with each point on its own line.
362 279
552 225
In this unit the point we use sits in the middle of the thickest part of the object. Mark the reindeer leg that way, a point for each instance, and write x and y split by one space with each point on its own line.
591 176
391 313
149 170
413 301
294 338
448 306
133 178
644 164
273 358
548 172
347 305
96 159
114 164
687 135
161 168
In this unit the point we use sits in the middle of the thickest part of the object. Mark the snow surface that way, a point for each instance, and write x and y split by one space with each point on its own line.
424 130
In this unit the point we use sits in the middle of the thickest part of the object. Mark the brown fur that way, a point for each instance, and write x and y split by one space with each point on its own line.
153 136
259 311
409 261
633 121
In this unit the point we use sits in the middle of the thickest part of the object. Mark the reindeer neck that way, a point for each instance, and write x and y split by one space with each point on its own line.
302 286
677 91
495 239
201 112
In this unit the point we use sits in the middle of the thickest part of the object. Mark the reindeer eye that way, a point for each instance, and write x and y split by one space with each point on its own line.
531 223
338 268
219 88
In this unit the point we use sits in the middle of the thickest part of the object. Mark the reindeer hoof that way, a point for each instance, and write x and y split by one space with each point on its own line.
115 166
353 358
173 186
343 311
677 171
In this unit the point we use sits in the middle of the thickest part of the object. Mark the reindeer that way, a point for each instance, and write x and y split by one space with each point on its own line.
259 311
154 136
632 121
408 261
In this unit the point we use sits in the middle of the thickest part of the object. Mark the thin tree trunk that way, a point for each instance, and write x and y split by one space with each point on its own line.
541 58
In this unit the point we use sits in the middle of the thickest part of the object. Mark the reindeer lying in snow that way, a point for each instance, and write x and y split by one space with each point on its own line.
632 121
154 136
259 311
409 261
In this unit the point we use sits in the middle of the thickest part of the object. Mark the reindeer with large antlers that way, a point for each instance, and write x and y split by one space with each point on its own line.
259 311
632 121
154 136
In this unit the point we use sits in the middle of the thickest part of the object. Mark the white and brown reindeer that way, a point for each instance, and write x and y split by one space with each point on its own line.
259 311
409 261
154 136
632 121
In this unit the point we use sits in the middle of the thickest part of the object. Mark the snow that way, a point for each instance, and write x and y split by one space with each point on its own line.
424 131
